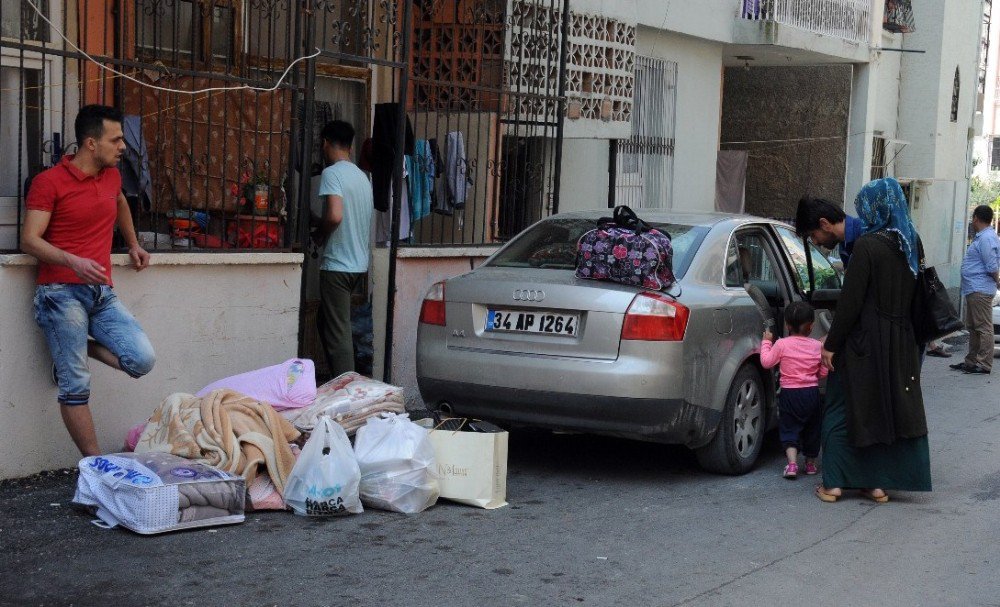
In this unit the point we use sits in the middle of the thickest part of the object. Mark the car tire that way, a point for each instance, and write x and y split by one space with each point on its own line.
738 439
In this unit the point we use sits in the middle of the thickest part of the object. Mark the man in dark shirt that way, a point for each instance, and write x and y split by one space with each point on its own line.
827 225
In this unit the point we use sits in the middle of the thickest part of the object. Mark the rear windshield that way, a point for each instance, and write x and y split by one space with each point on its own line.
552 244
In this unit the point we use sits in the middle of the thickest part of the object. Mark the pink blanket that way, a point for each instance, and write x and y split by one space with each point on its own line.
290 385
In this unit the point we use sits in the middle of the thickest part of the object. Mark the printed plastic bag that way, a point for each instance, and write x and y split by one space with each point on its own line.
324 480
397 465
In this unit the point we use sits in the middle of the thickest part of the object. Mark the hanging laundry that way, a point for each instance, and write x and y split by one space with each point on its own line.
420 180
437 169
385 140
136 179
899 17
457 168
383 220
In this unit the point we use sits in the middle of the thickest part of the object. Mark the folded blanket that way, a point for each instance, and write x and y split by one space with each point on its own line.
349 400
224 429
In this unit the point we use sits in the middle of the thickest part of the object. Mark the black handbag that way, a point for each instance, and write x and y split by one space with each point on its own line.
934 316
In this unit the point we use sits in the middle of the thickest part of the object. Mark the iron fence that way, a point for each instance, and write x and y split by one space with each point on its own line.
223 126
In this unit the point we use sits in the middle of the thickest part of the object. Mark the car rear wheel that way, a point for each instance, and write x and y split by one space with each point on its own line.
738 439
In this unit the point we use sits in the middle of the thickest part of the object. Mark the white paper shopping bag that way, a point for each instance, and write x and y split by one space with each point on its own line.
472 467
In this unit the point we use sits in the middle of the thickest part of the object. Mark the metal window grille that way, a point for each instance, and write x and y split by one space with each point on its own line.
644 163
879 164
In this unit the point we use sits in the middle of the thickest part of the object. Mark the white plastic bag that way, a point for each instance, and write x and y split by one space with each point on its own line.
324 481
397 465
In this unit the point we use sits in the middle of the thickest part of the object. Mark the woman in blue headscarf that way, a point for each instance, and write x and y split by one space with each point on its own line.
874 429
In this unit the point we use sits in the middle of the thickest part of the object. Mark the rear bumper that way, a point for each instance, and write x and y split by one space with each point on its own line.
671 421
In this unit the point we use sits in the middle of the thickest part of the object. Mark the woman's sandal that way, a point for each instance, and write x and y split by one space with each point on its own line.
878 499
825 496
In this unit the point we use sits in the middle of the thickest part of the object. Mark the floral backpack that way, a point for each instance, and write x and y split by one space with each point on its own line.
626 250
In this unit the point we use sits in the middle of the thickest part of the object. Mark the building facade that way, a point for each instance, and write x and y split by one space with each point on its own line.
484 116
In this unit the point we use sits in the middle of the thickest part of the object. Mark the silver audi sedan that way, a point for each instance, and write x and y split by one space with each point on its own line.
521 340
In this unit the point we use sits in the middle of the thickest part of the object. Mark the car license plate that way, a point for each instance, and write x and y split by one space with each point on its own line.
547 323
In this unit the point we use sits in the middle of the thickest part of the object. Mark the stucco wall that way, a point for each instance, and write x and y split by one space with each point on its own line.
208 316
887 79
948 32
941 218
584 179
707 19
782 106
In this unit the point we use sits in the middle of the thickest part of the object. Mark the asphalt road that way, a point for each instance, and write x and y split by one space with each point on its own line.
592 521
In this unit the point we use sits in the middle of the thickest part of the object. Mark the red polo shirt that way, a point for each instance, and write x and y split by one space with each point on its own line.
84 210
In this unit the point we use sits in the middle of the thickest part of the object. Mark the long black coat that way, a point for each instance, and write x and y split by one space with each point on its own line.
874 346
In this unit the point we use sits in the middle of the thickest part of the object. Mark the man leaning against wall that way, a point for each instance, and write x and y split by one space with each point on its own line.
72 210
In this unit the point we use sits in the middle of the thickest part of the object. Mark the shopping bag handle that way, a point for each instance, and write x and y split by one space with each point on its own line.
465 420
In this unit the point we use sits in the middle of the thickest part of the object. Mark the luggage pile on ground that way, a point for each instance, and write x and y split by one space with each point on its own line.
201 459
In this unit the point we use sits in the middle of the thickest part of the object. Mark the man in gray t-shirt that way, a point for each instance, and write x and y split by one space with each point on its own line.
347 219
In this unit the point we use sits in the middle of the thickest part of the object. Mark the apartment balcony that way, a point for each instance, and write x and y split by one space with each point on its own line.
804 31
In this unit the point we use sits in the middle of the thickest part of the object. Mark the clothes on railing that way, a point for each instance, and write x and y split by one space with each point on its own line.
457 167
136 180
899 17
384 143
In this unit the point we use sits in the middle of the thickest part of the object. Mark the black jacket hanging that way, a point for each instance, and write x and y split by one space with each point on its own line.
385 152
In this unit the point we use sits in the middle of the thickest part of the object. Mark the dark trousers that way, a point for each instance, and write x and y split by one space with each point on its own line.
800 419
334 320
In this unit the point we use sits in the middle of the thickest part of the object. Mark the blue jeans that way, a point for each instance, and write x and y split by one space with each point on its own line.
71 313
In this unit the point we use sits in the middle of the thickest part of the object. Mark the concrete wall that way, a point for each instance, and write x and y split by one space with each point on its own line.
584 179
707 19
208 316
939 152
948 33
778 104
888 66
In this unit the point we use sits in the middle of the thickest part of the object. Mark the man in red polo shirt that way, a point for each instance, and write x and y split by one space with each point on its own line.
72 210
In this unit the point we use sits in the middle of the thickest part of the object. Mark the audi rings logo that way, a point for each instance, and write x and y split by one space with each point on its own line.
529 295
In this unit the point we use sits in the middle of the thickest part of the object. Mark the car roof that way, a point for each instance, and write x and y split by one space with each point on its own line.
707 219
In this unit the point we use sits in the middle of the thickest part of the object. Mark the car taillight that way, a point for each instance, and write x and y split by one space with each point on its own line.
432 310
655 317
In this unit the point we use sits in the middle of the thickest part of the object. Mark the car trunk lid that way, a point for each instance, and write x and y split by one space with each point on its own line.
544 312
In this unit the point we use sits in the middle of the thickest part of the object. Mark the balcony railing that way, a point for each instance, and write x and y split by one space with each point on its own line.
846 19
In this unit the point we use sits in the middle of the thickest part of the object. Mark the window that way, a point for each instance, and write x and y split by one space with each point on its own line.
181 31
995 154
955 92
879 164
825 275
645 162
19 19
